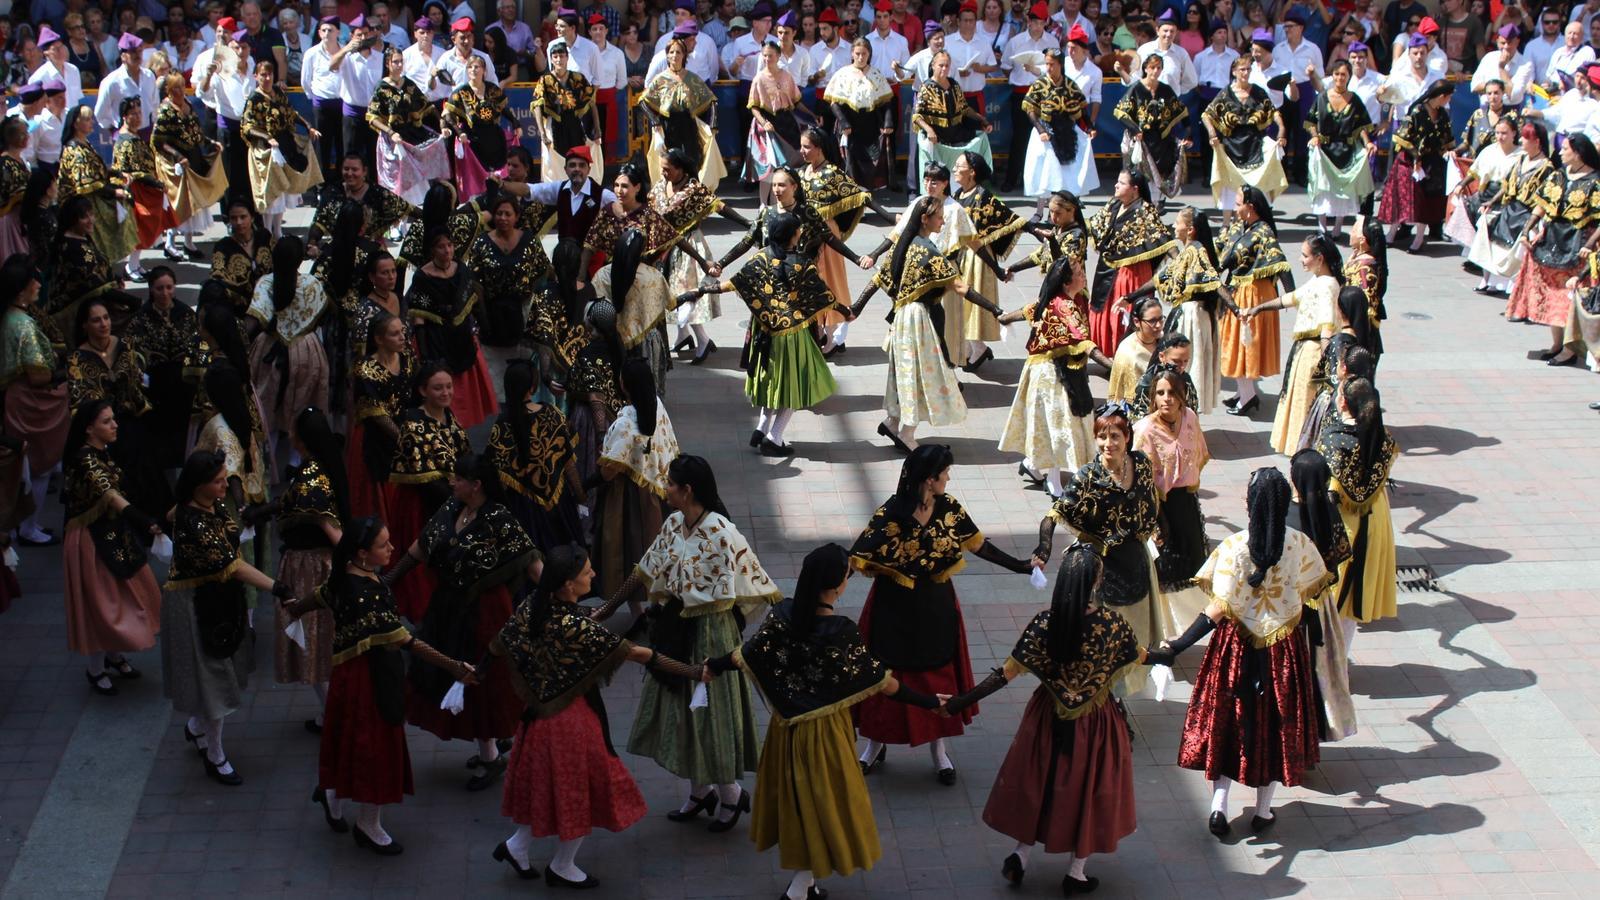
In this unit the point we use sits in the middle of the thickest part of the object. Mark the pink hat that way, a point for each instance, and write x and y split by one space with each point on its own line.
47 36
129 41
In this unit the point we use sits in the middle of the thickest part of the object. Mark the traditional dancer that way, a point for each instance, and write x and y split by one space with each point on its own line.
1314 304
1251 262
1187 285
1128 236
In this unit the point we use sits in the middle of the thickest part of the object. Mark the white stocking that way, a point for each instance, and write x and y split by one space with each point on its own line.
779 423
1219 795
320 688
197 727
800 885
1264 799
941 758
700 336
873 749
519 844
1022 852
840 332
488 751
727 797
96 664
1246 389
214 751
169 236
37 486
1076 871
697 793
565 861
764 420
370 821
335 805
908 435
974 350
1348 626
1052 480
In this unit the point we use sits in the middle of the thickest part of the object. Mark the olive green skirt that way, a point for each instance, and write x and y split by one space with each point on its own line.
715 744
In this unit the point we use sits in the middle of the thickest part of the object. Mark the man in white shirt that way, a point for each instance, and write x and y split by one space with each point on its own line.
1578 110
792 58
889 47
682 14
1303 60
1539 49
610 76
702 57
1409 78
55 65
971 56
1070 14
1365 82
229 90
1507 65
205 98
1265 72
1572 55
580 50
128 80
1033 39
451 66
321 85
384 26
360 67
44 129
742 56
421 58
1213 66
912 76
830 54
1178 71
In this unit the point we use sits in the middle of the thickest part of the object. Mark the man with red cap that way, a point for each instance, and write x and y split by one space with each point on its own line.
56 66
829 54
205 95
451 66
1035 40
577 200
971 55
1080 67
1071 15
889 48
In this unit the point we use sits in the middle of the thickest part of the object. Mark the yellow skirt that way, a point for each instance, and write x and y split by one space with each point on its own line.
1378 591
962 320
811 799
188 191
1296 396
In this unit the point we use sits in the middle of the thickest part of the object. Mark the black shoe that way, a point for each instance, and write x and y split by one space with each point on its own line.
502 853
320 797
1012 870
1546 355
776 450
1247 407
1028 476
136 277
706 804
174 254
946 776
503 745
1231 402
867 767
837 350
710 348
894 439
194 739
1259 824
392 848
491 772
975 365
312 726
756 438
1595 405
108 690
1569 361
1070 885
686 344
554 880
214 772
739 809
1218 824
121 668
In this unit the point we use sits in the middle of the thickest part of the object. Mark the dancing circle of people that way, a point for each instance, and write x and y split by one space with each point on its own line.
322 389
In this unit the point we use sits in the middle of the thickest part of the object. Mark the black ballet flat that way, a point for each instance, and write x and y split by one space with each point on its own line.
1595 406
837 350
686 344
711 347
893 439
491 773
554 880
1247 407
311 726
214 772
110 689
320 797
392 848
1569 361
1028 476
867 767
1546 355
1011 870
739 809
1218 824
174 254
502 853
1259 824
975 365
946 776
756 437
775 450
121 668
1070 885
706 804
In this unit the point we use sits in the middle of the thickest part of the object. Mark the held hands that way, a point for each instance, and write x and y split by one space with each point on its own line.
867 262
465 673
942 712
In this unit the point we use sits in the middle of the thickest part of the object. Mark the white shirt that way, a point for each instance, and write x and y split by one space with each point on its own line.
73 80
184 64
1260 77
207 98
887 51
207 36
1060 18
1563 63
1540 49
419 60
744 45
397 37
797 64
547 193
44 136
1021 42
1090 79
1366 87
1521 75
581 55
231 89
1295 59
963 53
1437 60
1178 71
359 74
452 62
1575 114
610 69
1402 87
825 61
119 85
317 79
702 61
917 68
1215 69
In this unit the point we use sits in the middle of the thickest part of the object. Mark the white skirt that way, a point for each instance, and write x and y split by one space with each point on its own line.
1042 173
1492 257
1205 368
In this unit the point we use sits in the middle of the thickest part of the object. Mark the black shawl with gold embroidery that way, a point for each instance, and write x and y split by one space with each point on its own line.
1250 253
905 552
1115 522
533 464
1125 235
559 659
364 615
997 225
1082 685
91 477
1361 471
783 294
808 676
835 195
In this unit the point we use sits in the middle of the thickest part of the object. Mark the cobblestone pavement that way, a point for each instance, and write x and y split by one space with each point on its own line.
1476 769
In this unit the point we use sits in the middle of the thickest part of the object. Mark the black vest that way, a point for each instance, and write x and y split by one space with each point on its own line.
575 225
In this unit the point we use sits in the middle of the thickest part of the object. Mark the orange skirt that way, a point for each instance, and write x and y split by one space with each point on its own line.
151 213
1260 358
830 265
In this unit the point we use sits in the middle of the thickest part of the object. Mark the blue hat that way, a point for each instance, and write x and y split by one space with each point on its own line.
1416 40
1295 17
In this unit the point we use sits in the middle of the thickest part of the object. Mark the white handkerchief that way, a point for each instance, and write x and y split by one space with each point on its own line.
247 535
277 156
161 548
455 699
700 699
1038 580
10 558
296 631
1161 676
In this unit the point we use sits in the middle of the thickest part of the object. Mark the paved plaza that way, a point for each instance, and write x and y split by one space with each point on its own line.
1476 770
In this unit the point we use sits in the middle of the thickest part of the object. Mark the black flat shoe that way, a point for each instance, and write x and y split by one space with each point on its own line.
320 797
739 809
711 347
837 350
686 344
121 668
1028 476
1247 407
946 776
1012 870
174 254
706 804
893 439
1218 824
502 853
194 739
1569 361
1070 885
756 437
392 848
490 773
136 277
1546 355
311 726
1259 824
503 745
554 880
108 690
214 772
778 451
975 365
1595 406
867 767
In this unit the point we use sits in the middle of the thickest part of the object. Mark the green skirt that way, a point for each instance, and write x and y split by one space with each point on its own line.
793 376
115 240
715 744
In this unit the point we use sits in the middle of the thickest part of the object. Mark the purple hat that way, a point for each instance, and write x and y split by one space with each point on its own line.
929 27
53 86
1166 15
47 36
684 5
1295 17
687 29
1263 37
360 21
240 35
787 21
129 41
424 23
1416 40
30 92
1358 47
334 20
763 10
1511 32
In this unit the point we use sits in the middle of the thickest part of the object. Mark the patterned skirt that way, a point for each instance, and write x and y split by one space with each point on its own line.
1041 425
283 393
1296 396
1540 294
304 571
1407 200
922 385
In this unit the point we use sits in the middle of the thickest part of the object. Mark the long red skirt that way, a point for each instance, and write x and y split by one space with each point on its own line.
474 396
1107 326
1540 294
363 758
403 504
1283 742
151 213
1074 798
561 781
882 719
1407 200
366 494
492 709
